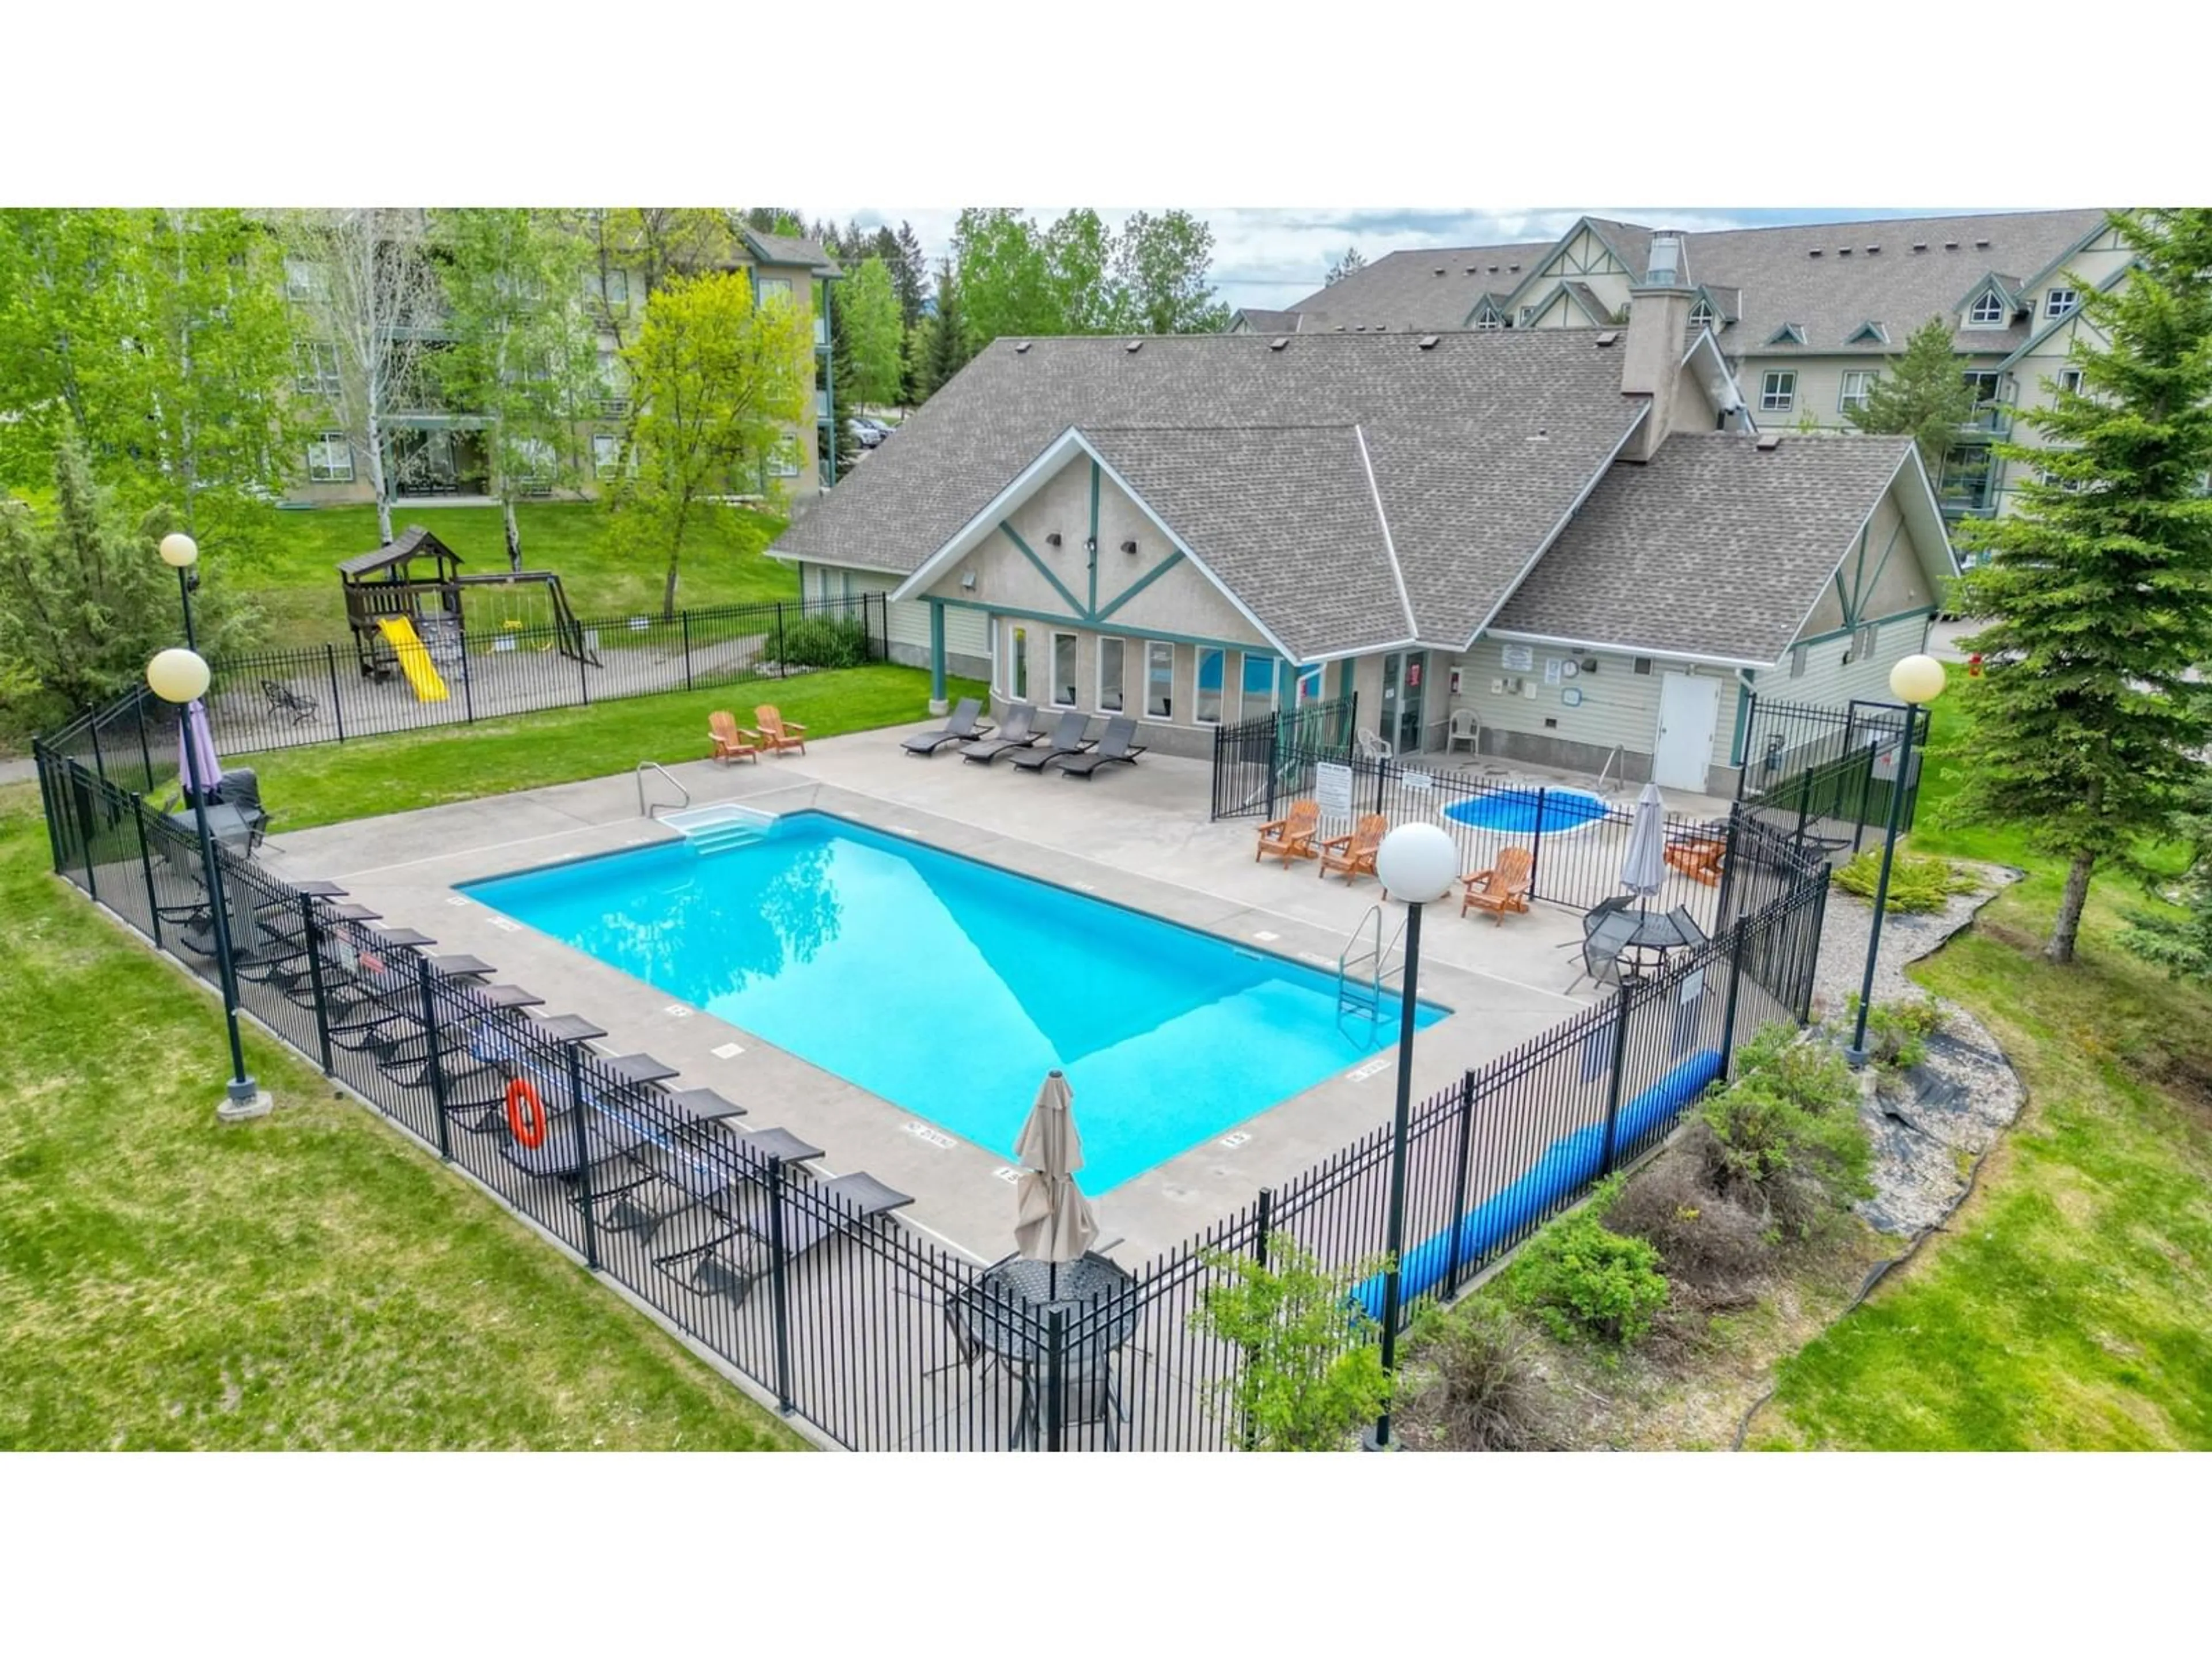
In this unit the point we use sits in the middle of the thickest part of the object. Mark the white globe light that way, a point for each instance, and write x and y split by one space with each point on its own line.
177 675
1418 863
180 549
1916 679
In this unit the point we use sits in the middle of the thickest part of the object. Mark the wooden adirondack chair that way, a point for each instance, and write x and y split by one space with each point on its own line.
730 744
776 733
1291 835
1502 887
1353 856
1698 857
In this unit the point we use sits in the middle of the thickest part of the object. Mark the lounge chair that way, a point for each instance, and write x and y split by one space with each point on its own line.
1019 732
1290 836
1113 748
1502 887
732 1264
776 733
1353 856
1067 739
730 743
240 789
282 700
963 728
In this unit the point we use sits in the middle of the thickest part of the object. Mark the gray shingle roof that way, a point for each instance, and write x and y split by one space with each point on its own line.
1468 487
1402 289
1772 267
1713 548
1269 322
791 251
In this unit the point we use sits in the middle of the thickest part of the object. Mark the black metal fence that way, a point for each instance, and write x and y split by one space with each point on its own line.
284 699
1253 759
1824 775
880 1337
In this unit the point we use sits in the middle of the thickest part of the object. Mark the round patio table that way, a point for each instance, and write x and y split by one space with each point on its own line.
1009 1312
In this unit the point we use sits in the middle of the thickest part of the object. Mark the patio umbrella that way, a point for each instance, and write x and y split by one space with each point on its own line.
192 729
1643 872
1053 1221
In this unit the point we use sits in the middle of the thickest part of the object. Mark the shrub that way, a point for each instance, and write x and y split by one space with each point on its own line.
1807 1072
1917 882
1488 1394
1707 1241
824 642
1760 1148
1583 1279
1898 1032
1311 1374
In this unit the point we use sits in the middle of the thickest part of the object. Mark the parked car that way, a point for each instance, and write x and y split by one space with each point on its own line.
868 432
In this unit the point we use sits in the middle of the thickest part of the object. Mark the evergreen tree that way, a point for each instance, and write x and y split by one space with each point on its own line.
947 350
1353 260
909 270
1921 395
2088 724
844 381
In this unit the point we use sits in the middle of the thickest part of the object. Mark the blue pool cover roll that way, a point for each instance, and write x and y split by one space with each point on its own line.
1567 1165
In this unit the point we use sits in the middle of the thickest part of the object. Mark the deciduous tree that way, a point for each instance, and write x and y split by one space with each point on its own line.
2090 721
868 302
1161 265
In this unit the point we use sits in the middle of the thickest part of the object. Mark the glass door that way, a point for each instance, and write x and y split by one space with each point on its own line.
1400 724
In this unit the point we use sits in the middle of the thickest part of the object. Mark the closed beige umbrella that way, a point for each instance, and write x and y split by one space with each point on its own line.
1053 1221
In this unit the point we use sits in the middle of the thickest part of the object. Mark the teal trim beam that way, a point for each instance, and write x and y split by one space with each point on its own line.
937 650
1093 542
1044 570
1141 584
1076 622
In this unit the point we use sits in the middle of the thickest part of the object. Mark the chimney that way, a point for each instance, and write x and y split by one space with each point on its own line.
1658 323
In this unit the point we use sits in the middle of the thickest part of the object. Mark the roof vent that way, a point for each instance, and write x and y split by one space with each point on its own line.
1843 253
1428 343
1509 267
1981 241
1920 247
1442 270
1020 346
1493 269
1133 346
1538 436
1874 247
1607 338
1769 442
1950 247
1812 253
1278 342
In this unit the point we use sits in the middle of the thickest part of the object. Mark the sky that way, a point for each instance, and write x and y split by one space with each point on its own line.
1271 257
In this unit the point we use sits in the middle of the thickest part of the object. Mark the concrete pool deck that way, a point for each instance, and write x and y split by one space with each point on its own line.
1137 836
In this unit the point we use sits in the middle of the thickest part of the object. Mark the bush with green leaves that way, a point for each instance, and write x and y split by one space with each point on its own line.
1918 883
1778 1141
824 642
1583 1279
1898 1032
1311 1375
1805 1071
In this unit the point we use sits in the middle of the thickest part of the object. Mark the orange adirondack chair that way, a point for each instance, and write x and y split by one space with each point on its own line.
1353 856
1502 887
730 744
776 733
1698 857
1290 836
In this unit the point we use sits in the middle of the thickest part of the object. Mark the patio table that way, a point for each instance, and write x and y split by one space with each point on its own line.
1010 1309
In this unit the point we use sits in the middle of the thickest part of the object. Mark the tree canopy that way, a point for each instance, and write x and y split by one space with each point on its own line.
1921 395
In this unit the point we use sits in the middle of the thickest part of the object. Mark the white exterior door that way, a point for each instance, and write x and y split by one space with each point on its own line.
1689 707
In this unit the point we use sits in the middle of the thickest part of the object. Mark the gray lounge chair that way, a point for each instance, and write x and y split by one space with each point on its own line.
1067 739
963 728
1115 748
1018 731
732 1264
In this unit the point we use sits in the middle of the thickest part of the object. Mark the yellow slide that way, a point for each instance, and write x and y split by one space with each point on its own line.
414 659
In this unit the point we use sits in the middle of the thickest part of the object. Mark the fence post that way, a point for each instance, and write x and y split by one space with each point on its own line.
146 864
583 669
781 669
308 931
337 705
883 611
1801 1004
1536 845
86 818
777 1287
1267 1222
583 1155
1274 760
1054 1379
1727 871
145 748
1736 980
686 616
437 1072
49 799
1613 1082
468 683
1459 1180
1382 776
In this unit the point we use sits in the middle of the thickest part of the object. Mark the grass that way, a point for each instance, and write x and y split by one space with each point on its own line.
296 588
334 781
310 1280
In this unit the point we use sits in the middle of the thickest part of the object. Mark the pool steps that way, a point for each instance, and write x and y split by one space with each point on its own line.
719 829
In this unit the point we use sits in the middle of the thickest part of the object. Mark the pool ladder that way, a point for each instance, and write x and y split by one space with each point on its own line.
1363 974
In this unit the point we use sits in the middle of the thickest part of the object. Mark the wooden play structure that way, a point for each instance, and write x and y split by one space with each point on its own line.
403 604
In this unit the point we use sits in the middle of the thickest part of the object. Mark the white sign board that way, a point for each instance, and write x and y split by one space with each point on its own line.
1550 671
1333 789
1416 782
1518 659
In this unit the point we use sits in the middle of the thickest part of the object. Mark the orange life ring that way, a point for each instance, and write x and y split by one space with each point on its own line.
527 1124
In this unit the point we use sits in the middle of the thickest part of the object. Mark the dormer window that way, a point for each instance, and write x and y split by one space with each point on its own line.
1701 315
2060 302
1989 311
1787 334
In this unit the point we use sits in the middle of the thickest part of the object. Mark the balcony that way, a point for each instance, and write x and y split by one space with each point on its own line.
1990 420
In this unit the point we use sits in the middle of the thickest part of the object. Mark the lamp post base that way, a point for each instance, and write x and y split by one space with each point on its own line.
243 1100
1368 1443
939 708
1856 1058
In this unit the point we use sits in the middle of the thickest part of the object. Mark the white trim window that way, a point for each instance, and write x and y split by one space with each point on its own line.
1063 671
775 287
2070 379
1486 320
1777 391
1113 672
330 459
1159 680
1856 383
1018 662
613 289
315 367
303 280
1701 315
2061 302
784 460
606 455
1212 677
1988 310
1799 655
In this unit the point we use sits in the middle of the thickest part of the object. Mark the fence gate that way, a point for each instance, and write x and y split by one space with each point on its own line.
1264 760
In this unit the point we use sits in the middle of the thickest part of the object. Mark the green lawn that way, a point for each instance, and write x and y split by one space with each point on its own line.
309 1281
397 774
296 588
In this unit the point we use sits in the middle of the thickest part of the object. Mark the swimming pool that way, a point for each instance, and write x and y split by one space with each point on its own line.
950 988
1513 812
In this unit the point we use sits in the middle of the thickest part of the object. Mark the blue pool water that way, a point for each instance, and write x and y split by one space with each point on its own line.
1514 810
950 988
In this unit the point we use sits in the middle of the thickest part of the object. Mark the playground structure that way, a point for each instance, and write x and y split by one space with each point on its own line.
408 622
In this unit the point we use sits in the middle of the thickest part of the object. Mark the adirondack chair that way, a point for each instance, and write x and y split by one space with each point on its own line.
776 733
1353 856
1502 887
1291 835
730 743
1699 857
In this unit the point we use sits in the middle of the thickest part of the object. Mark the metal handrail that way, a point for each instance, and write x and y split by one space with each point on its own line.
643 766
1603 772
1371 983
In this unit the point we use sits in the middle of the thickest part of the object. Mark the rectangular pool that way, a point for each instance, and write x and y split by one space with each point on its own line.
950 988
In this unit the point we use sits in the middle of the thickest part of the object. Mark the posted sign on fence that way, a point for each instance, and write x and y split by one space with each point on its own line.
1333 789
